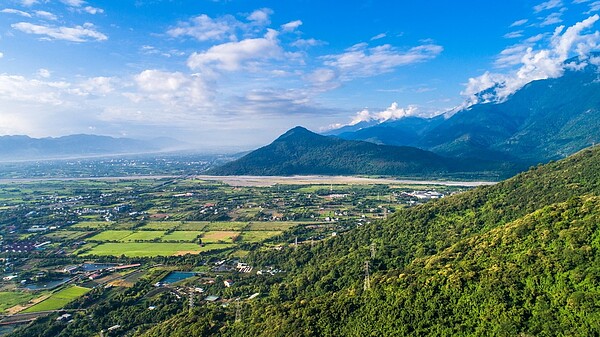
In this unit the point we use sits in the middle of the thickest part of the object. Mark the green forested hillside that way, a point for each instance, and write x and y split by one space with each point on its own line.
300 151
517 258
520 258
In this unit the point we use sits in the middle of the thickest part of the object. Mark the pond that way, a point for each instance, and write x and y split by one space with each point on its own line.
176 276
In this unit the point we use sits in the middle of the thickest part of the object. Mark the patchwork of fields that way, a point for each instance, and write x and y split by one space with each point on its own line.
169 238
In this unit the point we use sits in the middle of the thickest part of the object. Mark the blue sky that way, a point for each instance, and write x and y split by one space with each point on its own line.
237 73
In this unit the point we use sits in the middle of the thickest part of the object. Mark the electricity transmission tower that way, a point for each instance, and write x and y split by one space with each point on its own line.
238 310
367 285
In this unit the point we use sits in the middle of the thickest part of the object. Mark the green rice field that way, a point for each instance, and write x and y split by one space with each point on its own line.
59 299
150 249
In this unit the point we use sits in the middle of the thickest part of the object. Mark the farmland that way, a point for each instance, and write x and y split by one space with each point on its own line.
61 238
59 299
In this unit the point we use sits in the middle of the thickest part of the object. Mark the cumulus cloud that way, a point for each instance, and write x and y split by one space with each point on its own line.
93 10
232 56
171 88
261 16
83 33
44 73
20 88
535 64
98 86
205 28
393 112
291 26
362 61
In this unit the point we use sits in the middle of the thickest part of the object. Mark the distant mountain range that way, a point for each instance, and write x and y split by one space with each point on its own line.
300 151
545 120
25 148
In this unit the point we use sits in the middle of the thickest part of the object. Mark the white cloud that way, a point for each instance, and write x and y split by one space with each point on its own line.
393 112
535 64
378 36
19 88
28 3
205 28
83 33
594 7
73 3
291 26
93 10
519 23
305 43
15 11
550 4
1 55
44 73
362 61
171 88
232 56
46 15
98 85
261 16
551 19
513 35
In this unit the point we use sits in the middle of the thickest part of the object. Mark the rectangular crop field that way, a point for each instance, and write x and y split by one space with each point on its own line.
9 299
225 226
66 235
144 249
188 236
161 225
143 236
258 236
193 226
271 226
220 236
92 225
110 235
59 299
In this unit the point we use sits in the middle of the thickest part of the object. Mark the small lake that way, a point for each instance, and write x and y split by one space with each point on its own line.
46 285
176 276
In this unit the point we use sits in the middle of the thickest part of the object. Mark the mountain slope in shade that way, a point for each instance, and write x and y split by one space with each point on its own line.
24 147
300 151
545 120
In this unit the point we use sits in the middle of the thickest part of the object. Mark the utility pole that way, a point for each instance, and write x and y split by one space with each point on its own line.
367 285
373 250
191 299
296 243
238 311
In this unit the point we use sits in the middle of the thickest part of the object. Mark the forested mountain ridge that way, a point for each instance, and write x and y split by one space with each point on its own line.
300 151
517 258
